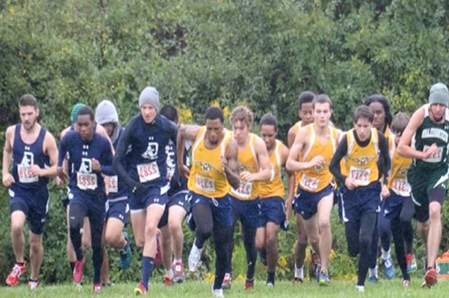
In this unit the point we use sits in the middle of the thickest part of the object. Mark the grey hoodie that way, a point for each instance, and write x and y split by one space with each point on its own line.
107 113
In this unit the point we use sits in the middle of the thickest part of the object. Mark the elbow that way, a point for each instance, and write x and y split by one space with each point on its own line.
288 165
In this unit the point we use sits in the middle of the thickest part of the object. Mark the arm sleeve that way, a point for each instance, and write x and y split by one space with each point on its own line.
62 151
384 158
120 153
334 166
106 166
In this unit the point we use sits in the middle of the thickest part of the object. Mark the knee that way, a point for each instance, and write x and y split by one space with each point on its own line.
203 232
16 229
365 242
112 238
324 224
86 244
271 240
435 211
36 244
175 226
150 230
302 242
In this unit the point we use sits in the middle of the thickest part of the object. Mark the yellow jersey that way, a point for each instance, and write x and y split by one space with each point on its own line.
317 178
361 162
274 187
247 162
207 176
397 181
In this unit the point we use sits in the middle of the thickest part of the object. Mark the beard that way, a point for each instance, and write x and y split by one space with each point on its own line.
29 125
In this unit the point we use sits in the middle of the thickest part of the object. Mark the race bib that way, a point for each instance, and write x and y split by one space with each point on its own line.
148 172
245 189
204 184
170 173
401 187
86 181
434 158
309 184
113 184
360 176
25 175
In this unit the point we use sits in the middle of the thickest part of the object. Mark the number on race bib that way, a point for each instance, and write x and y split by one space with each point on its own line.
245 189
86 181
401 187
113 184
360 176
309 184
148 172
25 175
436 157
204 184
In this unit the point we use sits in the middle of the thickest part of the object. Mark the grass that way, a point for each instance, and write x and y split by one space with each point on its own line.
337 289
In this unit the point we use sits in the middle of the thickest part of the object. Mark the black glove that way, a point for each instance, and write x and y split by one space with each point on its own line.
136 187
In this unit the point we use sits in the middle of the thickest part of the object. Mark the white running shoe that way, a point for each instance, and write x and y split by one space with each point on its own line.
217 292
194 257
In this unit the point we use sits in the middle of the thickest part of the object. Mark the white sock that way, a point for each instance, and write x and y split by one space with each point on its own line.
373 272
170 273
177 261
299 272
385 254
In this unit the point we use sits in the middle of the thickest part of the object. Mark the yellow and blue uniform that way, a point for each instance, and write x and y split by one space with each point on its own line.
317 182
207 181
272 192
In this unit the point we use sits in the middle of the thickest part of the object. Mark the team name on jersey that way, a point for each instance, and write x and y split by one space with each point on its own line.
434 133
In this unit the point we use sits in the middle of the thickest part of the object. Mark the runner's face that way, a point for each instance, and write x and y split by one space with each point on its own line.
85 127
241 131
148 112
363 129
379 115
437 110
397 137
109 127
322 114
28 116
306 113
268 134
214 130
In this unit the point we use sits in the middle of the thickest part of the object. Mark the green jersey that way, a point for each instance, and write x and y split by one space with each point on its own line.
432 133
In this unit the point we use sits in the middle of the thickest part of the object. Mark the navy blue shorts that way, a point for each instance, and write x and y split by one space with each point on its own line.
306 203
392 206
35 207
248 212
179 199
360 201
221 208
118 210
96 205
153 195
271 209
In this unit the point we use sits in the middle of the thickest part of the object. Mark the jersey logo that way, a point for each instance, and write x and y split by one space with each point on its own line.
151 152
28 159
169 150
86 165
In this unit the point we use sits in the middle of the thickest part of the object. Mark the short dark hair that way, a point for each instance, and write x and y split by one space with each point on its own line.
363 112
213 113
322 98
86 110
170 113
305 97
400 122
269 119
28 100
384 102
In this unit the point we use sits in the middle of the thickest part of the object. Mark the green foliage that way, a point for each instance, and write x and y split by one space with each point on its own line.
262 53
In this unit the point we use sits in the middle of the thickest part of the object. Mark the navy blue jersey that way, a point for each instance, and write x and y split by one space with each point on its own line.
79 156
145 144
23 157
118 189
177 182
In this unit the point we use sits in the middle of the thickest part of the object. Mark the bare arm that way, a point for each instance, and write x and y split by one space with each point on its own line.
264 173
185 132
290 182
404 147
230 164
7 178
301 142
51 150
291 136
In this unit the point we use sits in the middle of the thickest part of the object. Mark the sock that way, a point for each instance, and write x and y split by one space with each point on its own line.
385 254
147 268
20 263
299 272
177 261
169 272
271 277
373 272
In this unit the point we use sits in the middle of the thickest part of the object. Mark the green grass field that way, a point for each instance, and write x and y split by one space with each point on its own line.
337 289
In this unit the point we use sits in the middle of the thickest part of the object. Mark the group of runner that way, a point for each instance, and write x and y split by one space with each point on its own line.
382 173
